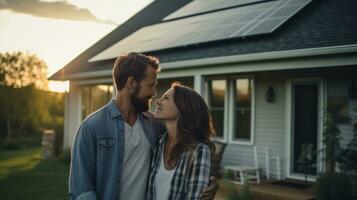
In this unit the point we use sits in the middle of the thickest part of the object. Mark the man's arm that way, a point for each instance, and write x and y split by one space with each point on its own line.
82 170
209 192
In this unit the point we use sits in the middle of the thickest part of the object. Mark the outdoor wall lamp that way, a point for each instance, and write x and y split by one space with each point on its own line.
270 94
352 91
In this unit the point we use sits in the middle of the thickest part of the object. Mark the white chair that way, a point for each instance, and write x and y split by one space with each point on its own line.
246 173
268 159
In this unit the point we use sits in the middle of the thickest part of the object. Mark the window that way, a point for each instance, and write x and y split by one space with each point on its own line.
94 97
216 93
242 109
231 101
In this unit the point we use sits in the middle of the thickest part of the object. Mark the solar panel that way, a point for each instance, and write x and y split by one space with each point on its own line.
276 18
202 6
255 19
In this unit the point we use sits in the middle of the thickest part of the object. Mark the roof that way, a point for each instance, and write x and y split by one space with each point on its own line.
199 26
322 23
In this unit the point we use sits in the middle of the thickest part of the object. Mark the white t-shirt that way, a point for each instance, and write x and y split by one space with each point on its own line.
163 180
136 163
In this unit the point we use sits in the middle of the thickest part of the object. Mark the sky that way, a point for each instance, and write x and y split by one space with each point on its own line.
59 30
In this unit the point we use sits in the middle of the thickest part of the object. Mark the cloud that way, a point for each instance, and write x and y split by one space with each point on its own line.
53 10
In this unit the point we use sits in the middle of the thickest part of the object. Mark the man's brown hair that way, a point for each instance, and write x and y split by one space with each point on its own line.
132 64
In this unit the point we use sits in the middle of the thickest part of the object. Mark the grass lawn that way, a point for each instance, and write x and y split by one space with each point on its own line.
24 175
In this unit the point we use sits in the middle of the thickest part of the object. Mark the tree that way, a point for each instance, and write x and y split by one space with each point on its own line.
331 141
338 185
18 69
21 77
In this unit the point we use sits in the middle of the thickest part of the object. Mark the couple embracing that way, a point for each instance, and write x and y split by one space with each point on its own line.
124 152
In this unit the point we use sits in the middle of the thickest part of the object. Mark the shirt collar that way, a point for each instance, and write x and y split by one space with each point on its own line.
115 112
113 109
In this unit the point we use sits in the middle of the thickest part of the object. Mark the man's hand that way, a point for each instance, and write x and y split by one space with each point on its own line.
209 192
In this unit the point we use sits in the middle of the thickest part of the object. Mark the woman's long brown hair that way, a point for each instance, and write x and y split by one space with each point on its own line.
194 122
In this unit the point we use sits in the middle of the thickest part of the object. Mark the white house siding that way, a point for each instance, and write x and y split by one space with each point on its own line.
269 126
270 118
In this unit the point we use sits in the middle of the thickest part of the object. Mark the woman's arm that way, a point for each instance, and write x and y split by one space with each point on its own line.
200 173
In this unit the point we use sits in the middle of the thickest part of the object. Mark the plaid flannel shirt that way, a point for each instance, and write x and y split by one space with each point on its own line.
191 173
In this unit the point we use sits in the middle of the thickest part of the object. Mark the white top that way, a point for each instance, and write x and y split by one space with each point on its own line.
136 163
163 180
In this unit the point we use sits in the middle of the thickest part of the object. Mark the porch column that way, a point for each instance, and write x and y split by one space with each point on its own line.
198 84
72 116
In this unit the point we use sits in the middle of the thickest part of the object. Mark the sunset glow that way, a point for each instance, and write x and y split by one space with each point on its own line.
55 41
58 41
58 86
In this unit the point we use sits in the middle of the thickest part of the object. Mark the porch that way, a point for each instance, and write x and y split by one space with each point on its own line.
269 190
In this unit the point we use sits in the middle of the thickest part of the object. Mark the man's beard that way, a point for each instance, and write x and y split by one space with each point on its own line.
140 105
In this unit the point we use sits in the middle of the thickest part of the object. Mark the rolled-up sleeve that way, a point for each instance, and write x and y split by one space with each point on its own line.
199 176
83 165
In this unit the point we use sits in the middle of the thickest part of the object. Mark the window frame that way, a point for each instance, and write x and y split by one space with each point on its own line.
223 139
232 116
112 95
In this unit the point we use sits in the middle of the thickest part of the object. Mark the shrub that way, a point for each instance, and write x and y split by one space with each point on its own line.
28 141
65 156
231 193
228 174
245 193
334 186
8 146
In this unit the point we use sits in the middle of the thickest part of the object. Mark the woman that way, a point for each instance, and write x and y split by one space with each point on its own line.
181 162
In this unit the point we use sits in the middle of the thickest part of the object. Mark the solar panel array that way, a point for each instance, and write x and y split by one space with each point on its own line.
202 6
241 21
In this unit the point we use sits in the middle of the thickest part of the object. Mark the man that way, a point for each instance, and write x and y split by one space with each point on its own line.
111 150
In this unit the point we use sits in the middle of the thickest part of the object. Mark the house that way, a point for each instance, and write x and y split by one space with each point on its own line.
267 68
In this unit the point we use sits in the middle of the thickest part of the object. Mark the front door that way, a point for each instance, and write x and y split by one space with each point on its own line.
305 124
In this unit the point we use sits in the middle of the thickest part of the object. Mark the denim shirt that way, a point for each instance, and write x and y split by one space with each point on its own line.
98 153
